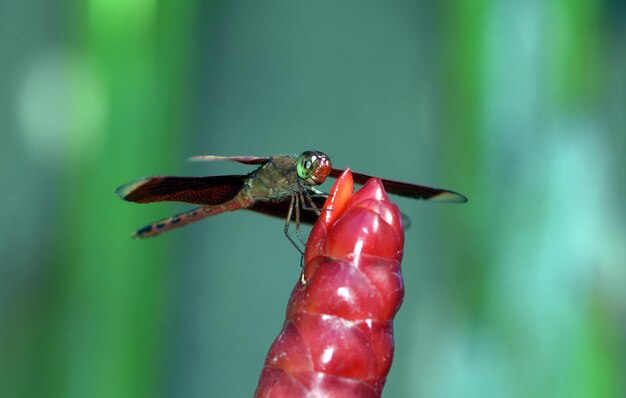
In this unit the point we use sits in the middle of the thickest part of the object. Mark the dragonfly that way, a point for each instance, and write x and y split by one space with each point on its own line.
280 186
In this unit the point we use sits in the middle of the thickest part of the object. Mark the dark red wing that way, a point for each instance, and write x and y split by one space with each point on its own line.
408 190
256 160
212 190
280 209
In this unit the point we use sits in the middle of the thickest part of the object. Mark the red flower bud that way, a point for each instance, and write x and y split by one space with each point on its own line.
337 340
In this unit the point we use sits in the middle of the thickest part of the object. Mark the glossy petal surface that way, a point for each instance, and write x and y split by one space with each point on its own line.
337 340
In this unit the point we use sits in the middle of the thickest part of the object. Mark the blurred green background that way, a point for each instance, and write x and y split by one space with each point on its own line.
519 105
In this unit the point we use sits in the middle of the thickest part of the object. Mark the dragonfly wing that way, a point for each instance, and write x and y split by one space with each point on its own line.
212 191
280 209
409 190
241 159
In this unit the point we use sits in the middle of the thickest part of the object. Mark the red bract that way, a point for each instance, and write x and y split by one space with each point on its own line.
337 340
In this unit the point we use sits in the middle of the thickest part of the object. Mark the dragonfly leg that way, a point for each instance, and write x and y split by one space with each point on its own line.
302 278
299 203
309 204
293 203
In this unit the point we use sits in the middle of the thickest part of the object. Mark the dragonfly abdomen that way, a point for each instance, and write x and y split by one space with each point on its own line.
191 216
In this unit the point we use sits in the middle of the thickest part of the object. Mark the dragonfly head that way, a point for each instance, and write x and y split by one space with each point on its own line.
313 167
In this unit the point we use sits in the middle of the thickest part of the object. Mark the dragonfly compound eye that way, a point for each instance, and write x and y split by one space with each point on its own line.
313 167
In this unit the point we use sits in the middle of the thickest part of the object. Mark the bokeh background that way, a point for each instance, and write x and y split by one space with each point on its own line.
520 105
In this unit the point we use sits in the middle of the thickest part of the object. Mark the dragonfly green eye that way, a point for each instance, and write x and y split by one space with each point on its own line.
313 167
